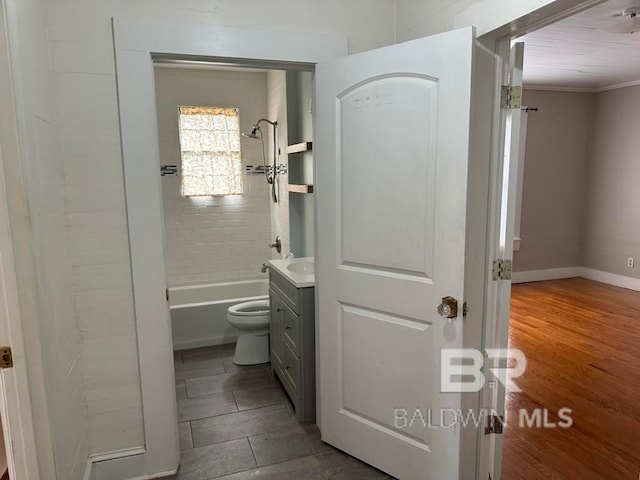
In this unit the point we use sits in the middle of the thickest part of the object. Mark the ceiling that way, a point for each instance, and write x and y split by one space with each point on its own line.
578 53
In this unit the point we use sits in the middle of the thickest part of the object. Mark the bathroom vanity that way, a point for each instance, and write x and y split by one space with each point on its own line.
292 332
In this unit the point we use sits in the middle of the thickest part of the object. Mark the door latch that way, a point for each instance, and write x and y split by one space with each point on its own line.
6 357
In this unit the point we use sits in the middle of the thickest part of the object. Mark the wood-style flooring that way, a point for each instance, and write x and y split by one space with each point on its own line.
582 342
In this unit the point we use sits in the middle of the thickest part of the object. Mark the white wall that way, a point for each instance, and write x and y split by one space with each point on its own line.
213 239
418 18
277 111
46 287
612 213
85 264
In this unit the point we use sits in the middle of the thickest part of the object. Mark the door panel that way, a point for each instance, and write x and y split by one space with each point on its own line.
392 146
382 115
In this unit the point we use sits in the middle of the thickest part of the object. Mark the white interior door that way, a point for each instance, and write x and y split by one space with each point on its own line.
392 138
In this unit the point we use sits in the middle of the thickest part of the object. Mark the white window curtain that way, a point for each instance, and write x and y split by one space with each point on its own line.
210 151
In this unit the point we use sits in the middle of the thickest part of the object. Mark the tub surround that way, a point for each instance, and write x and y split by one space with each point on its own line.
199 312
298 271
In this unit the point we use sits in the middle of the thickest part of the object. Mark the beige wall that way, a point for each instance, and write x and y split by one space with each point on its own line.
557 149
223 238
612 216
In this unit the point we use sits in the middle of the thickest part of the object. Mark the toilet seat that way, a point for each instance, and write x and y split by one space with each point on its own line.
250 309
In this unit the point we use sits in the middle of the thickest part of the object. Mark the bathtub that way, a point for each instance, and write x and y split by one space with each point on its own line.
199 312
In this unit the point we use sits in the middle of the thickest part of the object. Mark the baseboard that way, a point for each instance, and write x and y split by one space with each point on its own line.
610 278
570 272
130 464
204 342
542 275
88 470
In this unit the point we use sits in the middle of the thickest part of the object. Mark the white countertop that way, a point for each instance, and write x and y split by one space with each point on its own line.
300 279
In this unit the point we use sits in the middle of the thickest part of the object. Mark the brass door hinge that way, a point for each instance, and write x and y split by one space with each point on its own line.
501 269
495 424
510 97
6 357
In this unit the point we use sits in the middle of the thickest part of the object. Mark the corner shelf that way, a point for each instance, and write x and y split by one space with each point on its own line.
295 188
300 147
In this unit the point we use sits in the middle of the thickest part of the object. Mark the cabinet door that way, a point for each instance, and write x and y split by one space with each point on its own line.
276 331
292 330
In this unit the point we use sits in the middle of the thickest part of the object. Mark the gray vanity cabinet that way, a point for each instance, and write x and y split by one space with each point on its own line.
292 337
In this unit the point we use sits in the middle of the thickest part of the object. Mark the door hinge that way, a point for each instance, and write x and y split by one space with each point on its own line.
510 97
6 357
494 424
501 269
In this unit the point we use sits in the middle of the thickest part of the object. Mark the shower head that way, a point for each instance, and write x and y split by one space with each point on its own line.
256 133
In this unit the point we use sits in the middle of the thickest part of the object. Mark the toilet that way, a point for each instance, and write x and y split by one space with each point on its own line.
252 321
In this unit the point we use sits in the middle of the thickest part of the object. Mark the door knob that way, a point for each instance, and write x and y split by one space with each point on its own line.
448 308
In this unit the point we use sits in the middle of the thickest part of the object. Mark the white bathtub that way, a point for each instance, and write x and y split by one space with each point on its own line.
199 312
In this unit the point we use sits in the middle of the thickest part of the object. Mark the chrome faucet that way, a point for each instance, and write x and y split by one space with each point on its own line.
290 254
277 245
264 268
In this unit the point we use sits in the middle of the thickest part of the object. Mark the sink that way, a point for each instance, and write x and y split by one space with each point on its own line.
304 267
298 271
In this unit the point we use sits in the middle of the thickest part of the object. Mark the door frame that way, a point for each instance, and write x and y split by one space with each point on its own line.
136 43
502 204
134 68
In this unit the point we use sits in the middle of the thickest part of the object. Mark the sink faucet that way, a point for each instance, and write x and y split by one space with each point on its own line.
290 254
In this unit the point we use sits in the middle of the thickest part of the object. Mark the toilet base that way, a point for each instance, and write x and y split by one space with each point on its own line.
252 348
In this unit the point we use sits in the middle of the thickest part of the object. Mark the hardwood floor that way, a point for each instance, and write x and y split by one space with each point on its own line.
582 342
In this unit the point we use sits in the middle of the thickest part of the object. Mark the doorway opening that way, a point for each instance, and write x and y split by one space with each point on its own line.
576 294
236 417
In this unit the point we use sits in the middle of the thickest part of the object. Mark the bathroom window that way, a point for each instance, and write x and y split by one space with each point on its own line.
210 151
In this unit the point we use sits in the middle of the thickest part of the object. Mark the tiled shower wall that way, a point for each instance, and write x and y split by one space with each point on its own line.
214 238
277 107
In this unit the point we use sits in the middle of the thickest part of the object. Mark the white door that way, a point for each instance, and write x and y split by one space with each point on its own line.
392 138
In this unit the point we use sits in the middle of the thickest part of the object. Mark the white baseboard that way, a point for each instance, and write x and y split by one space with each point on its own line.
88 470
204 342
549 274
610 278
130 464
570 272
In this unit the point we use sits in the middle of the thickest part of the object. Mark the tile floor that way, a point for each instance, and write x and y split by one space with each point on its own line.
237 423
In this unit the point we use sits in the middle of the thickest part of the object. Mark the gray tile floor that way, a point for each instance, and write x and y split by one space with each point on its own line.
236 423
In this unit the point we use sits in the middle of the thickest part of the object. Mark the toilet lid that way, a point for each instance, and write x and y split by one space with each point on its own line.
250 309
